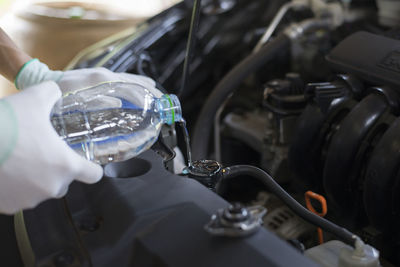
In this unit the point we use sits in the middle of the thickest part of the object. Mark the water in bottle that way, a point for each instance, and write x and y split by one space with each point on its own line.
113 121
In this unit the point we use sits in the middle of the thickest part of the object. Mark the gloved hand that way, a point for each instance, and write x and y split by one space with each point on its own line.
35 164
34 72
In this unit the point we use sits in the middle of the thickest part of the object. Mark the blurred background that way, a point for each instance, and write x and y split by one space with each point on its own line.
56 31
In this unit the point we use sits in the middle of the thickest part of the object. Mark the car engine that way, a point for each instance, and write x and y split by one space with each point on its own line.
289 105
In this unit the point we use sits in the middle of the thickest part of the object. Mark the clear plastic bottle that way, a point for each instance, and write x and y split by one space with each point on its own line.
113 121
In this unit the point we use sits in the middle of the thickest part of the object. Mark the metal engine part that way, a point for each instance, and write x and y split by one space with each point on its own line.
236 221
280 219
269 131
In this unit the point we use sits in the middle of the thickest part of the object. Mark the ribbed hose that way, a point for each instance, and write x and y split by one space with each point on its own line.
229 84
239 170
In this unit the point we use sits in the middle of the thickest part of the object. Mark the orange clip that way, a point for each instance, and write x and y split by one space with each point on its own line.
308 195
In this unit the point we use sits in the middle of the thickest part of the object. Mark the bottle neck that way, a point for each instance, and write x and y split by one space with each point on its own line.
170 109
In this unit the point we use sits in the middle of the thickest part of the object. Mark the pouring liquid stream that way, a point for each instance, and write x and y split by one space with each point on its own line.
187 141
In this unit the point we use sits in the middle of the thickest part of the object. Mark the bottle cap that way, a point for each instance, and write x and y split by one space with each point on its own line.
171 108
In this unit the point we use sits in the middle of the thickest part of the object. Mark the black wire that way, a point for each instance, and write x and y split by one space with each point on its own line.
194 25
328 226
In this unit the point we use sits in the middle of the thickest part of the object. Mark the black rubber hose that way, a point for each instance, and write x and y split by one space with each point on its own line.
228 85
239 170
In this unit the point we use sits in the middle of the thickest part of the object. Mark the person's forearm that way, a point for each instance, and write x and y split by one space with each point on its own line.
11 57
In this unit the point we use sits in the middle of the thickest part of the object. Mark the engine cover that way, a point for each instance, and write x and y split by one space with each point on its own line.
142 215
372 57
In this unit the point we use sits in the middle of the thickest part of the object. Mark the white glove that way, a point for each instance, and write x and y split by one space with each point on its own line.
35 164
34 72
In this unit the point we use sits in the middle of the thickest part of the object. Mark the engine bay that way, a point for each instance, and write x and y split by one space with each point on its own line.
305 92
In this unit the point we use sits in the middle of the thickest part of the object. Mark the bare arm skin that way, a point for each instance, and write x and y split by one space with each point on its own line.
11 57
